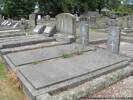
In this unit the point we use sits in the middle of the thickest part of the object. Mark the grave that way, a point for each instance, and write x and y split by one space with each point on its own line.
43 54
49 31
65 27
51 75
24 41
39 29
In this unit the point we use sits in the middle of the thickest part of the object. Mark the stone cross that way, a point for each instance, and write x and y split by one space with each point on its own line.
113 42
84 31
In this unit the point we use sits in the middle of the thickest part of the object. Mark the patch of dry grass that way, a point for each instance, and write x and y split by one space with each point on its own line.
10 87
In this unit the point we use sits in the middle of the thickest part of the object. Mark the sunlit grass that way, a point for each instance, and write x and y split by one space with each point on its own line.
2 72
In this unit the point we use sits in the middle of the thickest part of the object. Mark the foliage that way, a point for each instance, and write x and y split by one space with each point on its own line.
22 8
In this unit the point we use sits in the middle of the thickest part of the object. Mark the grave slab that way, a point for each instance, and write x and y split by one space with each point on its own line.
26 41
30 47
58 73
42 54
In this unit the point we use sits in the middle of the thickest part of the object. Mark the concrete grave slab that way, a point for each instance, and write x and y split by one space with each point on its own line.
23 42
43 54
30 47
58 73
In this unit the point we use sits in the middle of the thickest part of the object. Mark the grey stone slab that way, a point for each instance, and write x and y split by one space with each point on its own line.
64 38
66 23
24 42
30 47
49 30
54 72
31 56
18 38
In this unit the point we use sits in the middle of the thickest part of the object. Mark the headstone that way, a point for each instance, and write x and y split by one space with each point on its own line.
113 42
50 30
39 17
92 20
6 23
24 24
47 17
9 23
3 22
39 29
84 31
130 22
15 25
33 20
0 16
66 23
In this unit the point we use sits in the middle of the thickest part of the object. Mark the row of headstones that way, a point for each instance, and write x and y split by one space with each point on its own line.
66 26
11 24
114 36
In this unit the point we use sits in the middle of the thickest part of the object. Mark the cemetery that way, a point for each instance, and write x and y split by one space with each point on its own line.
67 57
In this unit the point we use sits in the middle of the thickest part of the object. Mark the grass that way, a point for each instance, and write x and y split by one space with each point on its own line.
9 85
2 72
67 55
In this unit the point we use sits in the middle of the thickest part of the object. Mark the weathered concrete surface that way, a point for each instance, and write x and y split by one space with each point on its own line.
30 47
126 48
24 41
58 73
32 56
89 88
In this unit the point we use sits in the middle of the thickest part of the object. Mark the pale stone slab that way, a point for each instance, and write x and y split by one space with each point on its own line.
39 29
66 23
33 56
47 74
49 30
23 42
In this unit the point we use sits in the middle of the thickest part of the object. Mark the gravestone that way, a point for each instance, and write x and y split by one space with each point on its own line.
66 27
3 22
92 20
39 29
15 25
49 30
33 20
84 31
6 23
130 22
113 42
47 17
66 23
